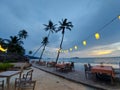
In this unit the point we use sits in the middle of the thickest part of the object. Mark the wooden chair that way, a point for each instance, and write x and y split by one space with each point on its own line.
2 85
26 84
89 66
72 66
87 70
25 78
28 75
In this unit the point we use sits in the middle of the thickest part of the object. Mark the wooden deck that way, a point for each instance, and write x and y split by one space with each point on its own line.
79 77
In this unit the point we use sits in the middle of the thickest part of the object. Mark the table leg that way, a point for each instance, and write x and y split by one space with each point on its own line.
8 82
111 79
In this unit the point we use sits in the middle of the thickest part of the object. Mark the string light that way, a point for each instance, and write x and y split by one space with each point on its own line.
118 17
97 36
76 47
84 43
70 49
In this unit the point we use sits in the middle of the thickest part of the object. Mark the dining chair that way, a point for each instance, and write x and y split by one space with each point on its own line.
87 71
26 85
2 85
26 77
89 66
72 66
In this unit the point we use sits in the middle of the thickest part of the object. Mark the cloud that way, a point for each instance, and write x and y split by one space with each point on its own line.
87 16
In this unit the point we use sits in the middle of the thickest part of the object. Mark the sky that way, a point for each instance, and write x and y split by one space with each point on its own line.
87 16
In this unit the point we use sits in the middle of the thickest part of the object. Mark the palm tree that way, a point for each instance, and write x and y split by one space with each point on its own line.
37 50
50 27
30 52
23 34
64 25
15 45
44 43
1 41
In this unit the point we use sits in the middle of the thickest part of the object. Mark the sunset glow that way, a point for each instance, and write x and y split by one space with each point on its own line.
102 52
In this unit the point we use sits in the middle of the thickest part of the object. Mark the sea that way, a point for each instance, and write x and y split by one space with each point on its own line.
79 62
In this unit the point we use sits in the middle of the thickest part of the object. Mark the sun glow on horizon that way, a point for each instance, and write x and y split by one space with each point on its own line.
102 52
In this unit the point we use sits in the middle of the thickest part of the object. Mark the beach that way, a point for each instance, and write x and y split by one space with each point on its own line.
46 81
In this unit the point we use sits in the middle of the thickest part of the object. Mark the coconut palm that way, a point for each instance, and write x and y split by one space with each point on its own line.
15 45
30 52
64 25
44 43
1 41
23 34
37 50
50 27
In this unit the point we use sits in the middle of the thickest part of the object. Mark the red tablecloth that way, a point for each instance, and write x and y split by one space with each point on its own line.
104 69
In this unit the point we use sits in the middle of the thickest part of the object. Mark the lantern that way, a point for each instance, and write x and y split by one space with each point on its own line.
70 49
84 43
97 36
118 17
76 47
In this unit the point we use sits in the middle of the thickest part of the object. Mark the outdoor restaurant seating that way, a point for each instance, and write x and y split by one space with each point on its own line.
104 72
27 84
87 70
2 85
26 78
65 67
89 66
51 64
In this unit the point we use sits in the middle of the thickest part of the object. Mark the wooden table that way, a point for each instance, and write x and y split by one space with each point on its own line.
60 65
104 70
8 75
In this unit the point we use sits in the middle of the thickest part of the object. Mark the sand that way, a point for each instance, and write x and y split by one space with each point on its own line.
46 81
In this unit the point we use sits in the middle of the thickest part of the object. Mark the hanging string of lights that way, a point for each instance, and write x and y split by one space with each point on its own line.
96 35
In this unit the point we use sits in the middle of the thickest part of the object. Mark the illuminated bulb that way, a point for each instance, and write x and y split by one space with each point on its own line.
76 47
66 51
97 36
118 17
84 43
70 49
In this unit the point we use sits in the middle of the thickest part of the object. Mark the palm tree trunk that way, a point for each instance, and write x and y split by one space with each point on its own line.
42 53
37 50
60 48
48 34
